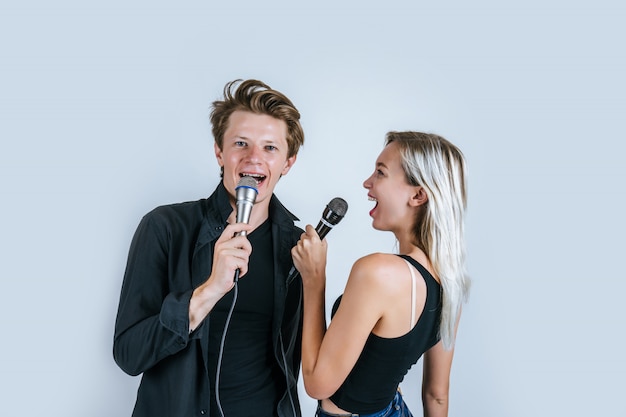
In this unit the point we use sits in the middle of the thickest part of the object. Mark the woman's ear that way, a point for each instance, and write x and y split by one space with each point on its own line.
419 197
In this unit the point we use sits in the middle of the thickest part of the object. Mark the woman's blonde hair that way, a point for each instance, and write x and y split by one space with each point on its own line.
439 167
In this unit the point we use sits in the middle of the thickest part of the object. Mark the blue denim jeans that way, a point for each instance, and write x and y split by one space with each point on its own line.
397 408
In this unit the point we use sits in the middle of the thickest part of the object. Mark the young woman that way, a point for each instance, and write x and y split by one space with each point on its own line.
395 307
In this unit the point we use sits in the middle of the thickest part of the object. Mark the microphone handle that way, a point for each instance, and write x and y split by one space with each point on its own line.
322 230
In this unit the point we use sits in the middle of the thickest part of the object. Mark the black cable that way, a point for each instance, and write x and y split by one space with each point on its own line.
282 350
221 352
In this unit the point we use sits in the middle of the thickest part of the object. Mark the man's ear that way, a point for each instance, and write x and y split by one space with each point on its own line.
218 154
288 164
419 197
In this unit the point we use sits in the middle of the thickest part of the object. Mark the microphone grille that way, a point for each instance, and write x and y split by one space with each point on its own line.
248 182
339 206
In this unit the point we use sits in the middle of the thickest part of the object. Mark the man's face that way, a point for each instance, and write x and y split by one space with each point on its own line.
254 145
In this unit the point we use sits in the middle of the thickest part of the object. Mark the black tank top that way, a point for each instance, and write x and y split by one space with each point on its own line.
374 380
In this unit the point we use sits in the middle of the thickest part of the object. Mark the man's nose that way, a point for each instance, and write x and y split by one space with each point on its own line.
254 153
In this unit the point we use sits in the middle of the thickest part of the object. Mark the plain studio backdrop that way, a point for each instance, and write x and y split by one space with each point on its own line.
104 115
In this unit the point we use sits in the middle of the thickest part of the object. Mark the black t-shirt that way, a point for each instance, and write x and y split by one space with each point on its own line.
250 378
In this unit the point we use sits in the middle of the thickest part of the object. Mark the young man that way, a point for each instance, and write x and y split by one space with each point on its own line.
178 287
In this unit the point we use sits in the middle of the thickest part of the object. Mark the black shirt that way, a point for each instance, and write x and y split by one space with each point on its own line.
248 373
171 254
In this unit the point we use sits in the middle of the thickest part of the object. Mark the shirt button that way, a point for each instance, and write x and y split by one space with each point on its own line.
203 412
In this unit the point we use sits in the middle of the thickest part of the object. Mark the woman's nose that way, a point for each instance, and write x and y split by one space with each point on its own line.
366 183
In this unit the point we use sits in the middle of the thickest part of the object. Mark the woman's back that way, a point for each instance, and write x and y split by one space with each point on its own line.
386 356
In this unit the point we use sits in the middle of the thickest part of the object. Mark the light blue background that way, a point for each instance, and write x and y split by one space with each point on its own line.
104 115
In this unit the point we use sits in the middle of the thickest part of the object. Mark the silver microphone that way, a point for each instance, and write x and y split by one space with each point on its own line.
246 193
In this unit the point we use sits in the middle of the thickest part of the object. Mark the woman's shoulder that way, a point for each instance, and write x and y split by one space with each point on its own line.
377 259
377 267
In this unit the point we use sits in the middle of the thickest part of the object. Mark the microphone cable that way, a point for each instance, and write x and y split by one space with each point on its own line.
246 193
282 351
222 342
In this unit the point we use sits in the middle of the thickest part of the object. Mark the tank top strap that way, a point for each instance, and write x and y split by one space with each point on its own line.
413 295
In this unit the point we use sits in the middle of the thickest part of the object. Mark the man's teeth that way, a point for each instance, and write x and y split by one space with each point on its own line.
371 199
257 178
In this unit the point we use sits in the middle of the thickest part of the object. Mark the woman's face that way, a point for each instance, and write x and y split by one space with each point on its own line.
388 187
